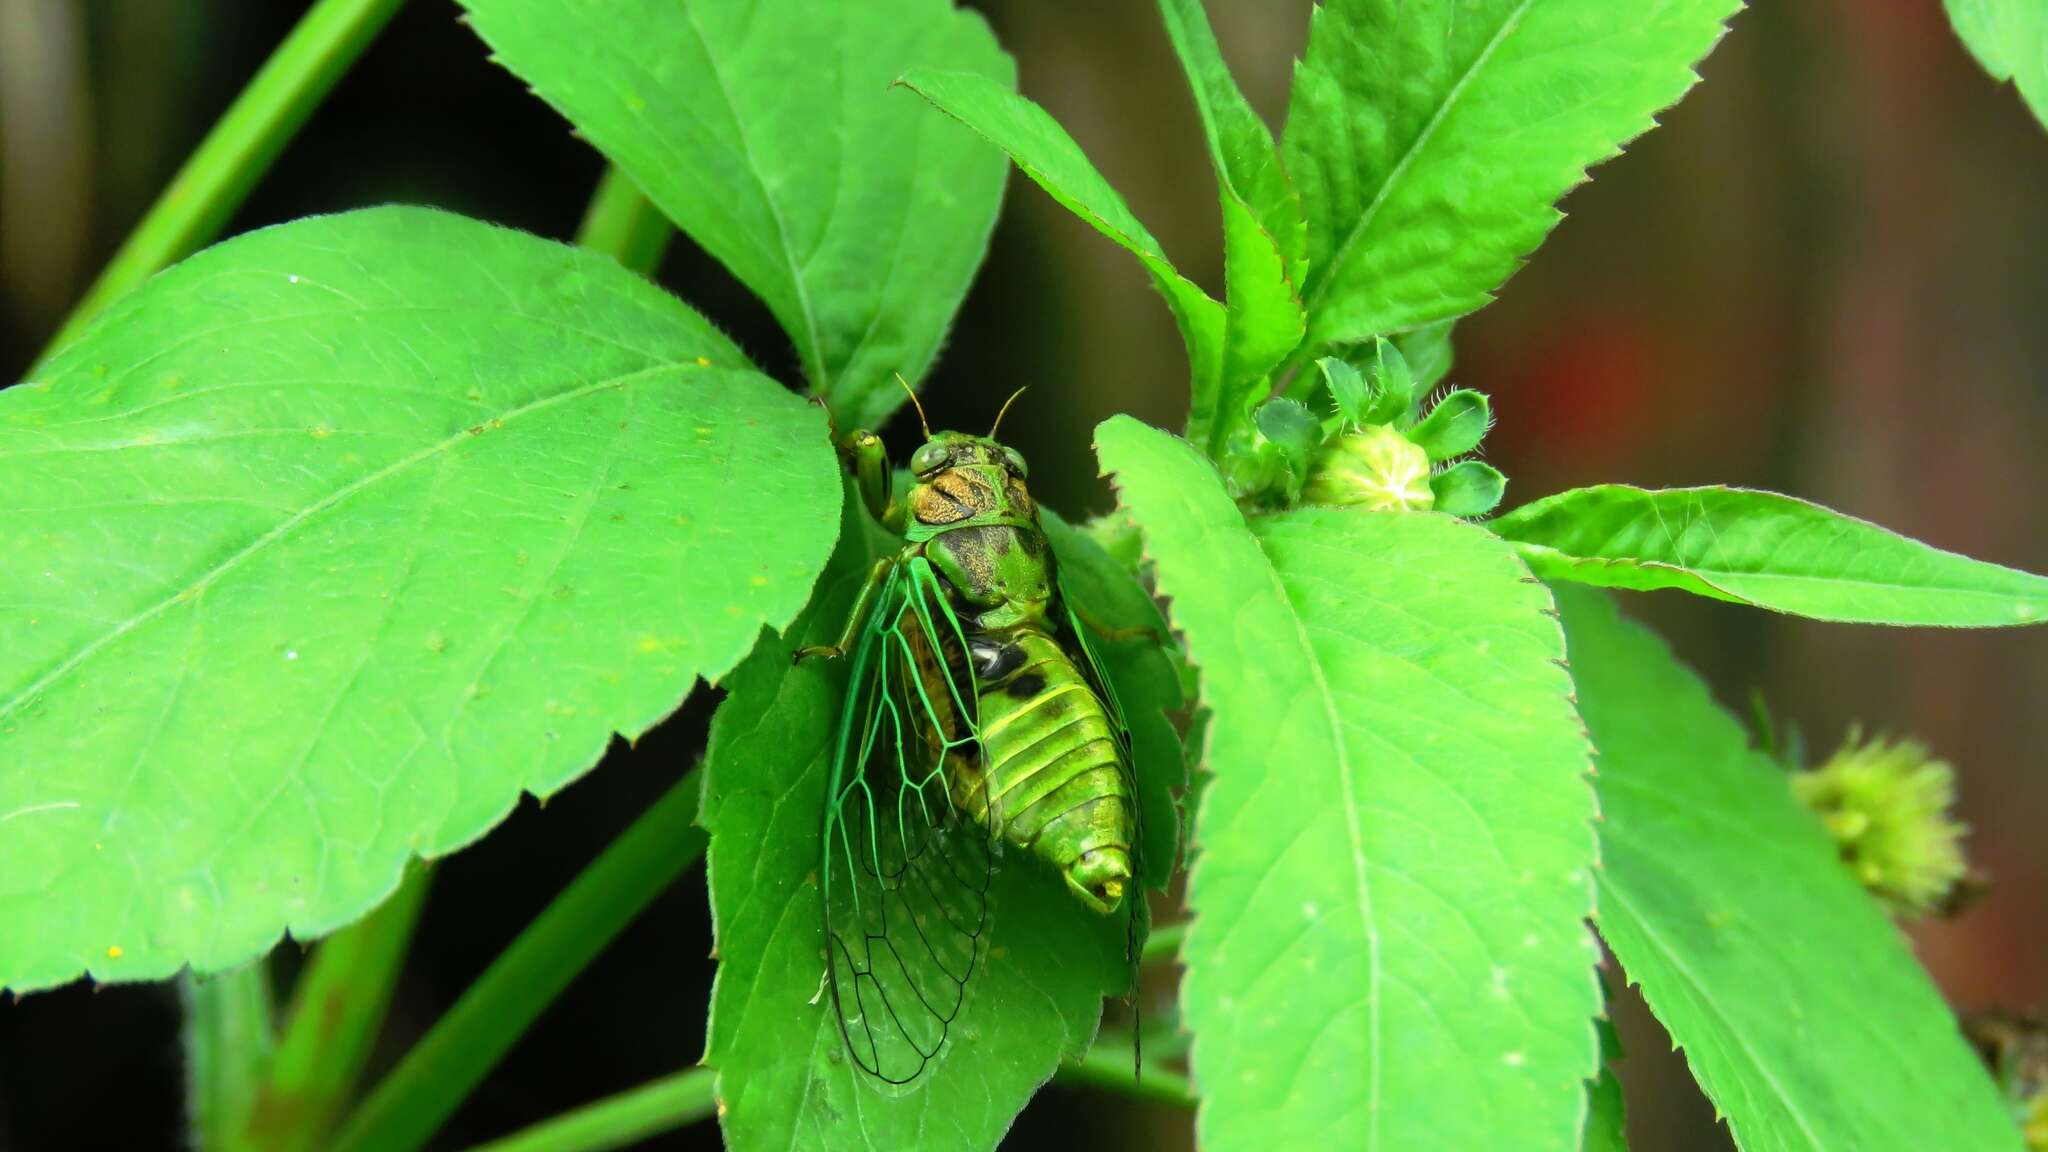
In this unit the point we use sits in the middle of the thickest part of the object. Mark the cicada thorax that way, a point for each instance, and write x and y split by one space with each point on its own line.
1052 780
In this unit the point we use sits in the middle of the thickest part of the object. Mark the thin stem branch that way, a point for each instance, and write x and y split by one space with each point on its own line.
227 1047
620 1121
441 1071
218 177
1108 1066
337 1011
1163 945
623 224
686 1097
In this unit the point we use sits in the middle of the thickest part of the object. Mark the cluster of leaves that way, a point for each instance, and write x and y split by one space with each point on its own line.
332 540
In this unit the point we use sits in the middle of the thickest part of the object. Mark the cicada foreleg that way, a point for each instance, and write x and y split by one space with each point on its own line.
863 607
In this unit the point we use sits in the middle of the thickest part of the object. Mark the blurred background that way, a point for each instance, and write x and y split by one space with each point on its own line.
1827 274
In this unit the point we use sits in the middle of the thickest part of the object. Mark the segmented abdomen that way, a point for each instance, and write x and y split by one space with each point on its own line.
1051 779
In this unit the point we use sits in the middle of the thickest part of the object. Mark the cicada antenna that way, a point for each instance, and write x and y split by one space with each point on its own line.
1006 410
922 422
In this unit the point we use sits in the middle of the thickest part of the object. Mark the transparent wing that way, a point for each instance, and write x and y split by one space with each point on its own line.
906 871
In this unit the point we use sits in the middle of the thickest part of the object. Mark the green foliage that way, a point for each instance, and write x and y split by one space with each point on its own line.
1454 426
1606 1111
1796 1001
1468 488
315 566
1265 238
1385 695
1430 139
855 214
783 1071
1043 151
2010 39
1769 551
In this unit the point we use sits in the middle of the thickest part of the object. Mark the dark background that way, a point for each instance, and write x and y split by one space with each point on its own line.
1825 275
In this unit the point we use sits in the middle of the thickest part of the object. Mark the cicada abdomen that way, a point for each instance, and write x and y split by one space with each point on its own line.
1054 777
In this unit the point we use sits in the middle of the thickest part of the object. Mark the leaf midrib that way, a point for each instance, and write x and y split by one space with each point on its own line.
193 588
1400 168
1312 658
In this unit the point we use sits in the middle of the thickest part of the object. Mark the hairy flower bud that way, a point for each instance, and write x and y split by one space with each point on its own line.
1886 803
1375 467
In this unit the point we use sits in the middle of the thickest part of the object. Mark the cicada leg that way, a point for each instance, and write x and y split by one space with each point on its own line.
872 476
856 619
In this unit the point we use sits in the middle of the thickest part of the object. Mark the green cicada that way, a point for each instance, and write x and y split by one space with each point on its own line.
977 722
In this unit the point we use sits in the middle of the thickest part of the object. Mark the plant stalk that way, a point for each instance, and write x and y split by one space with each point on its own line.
1110 1067
412 1103
620 1121
623 224
219 175
338 1008
227 1047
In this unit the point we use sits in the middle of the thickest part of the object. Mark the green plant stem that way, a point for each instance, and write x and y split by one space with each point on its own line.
620 1121
1163 944
685 1097
227 1046
465 1044
337 1010
624 224
1109 1066
218 177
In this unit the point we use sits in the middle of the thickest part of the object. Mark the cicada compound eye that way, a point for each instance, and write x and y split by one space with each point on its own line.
930 458
1015 461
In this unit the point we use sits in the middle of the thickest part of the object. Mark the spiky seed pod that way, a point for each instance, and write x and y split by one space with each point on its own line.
1886 804
1375 467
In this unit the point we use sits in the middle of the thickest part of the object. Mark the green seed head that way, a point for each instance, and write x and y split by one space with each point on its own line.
1886 805
1375 467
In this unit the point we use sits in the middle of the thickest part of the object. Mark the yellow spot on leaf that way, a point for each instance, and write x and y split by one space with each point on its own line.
113 951
650 644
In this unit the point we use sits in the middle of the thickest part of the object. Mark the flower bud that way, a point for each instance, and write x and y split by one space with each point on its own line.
1375 467
1886 805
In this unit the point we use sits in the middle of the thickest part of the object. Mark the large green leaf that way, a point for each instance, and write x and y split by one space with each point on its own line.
1768 550
1043 151
767 131
1431 138
783 1076
1265 238
1798 1005
2010 39
1392 860
326 543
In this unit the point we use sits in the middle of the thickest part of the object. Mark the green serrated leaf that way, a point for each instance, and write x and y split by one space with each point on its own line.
1455 426
1043 151
1606 1111
1428 352
2010 39
1766 550
783 1074
1797 1003
1430 139
1392 381
1347 388
325 544
767 130
1386 696
1265 238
